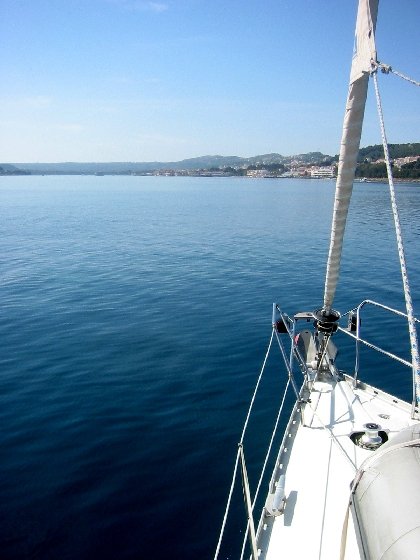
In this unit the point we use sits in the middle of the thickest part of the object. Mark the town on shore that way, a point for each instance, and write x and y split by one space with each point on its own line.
315 165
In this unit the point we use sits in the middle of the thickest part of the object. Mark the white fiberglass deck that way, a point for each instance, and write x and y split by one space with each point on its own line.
321 469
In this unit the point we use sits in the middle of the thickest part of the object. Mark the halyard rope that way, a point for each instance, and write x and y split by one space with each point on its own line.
407 294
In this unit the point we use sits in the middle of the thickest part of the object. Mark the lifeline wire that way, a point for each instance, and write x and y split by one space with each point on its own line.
238 454
265 462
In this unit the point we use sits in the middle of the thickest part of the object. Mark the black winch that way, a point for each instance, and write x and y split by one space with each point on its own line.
326 321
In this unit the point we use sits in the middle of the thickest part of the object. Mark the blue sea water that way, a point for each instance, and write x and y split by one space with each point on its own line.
135 317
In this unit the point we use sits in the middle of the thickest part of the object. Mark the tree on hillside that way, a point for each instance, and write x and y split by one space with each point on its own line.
409 170
373 153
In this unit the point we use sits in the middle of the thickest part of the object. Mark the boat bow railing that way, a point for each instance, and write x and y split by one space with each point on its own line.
281 323
354 331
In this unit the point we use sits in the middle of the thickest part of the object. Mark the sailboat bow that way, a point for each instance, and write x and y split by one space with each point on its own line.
346 477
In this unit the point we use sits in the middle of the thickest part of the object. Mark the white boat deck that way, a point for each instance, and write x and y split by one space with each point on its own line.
321 463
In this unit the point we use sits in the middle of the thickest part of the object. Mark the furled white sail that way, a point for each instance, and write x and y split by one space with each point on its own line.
364 53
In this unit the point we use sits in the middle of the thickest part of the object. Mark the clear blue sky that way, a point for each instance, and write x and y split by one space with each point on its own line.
164 80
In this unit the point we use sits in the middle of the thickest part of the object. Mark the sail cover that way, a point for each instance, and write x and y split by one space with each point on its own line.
364 53
364 40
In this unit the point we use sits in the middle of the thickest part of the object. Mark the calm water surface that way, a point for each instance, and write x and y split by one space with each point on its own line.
135 316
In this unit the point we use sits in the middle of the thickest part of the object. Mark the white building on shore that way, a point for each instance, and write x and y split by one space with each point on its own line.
326 172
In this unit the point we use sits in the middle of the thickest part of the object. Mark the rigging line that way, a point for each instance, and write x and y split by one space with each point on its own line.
271 443
229 500
386 69
374 347
405 77
295 349
251 404
381 305
407 294
332 435
265 462
247 498
238 454
334 438
289 369
324 347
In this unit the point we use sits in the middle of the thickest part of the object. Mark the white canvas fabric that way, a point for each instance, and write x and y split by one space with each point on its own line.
352 129
364 40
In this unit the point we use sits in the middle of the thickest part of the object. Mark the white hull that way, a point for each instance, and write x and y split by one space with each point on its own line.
320 462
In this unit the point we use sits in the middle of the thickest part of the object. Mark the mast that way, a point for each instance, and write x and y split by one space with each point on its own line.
363 55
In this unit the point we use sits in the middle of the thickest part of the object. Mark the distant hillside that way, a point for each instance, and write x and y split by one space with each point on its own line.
91 168
203 162
373 153
369 167
7 169
368 154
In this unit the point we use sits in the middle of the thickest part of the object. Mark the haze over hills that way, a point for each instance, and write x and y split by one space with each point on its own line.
202 162
369 153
